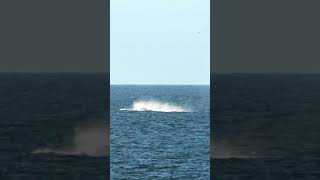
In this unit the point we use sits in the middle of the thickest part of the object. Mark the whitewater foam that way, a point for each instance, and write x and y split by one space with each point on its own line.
224 150
87 140
156 106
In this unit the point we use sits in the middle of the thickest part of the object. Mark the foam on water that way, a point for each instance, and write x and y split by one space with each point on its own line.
87 140
225 150
156 106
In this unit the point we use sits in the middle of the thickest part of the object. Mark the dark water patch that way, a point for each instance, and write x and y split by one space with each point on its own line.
265 168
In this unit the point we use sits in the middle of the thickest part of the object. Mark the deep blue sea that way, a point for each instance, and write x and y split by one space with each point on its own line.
160 132
265 127
53 126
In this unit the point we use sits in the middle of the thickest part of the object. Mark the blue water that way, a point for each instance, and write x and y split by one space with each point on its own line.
266 127
55 115
166 135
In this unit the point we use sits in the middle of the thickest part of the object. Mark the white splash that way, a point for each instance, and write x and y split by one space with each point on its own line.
90 141
157 106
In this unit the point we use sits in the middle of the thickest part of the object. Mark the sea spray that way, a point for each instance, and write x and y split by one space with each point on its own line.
154 105
224 150
89 140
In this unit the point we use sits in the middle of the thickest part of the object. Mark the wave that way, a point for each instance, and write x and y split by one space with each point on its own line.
87 141
156 106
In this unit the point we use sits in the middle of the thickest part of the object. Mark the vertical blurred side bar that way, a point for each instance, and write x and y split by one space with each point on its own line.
107 50
212 55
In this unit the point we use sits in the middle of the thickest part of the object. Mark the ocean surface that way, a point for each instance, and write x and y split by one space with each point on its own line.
160 132
265 127
262 127
53 126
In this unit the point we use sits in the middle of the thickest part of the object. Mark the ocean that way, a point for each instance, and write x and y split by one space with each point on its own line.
265 127
54 126
160 132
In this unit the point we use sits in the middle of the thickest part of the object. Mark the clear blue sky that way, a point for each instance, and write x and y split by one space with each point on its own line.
160 42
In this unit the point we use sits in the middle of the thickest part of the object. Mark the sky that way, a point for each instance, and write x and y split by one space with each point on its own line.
160 42
266 36
54 36
157 41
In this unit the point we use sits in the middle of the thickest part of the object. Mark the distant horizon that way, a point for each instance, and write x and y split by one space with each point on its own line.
159 84
212 73
268 73
54 73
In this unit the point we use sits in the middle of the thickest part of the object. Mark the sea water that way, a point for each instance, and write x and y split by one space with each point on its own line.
53 126
265 126
160 132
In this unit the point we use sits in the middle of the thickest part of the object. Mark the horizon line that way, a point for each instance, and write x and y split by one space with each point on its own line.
101 72
267 73
54 72
112 84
